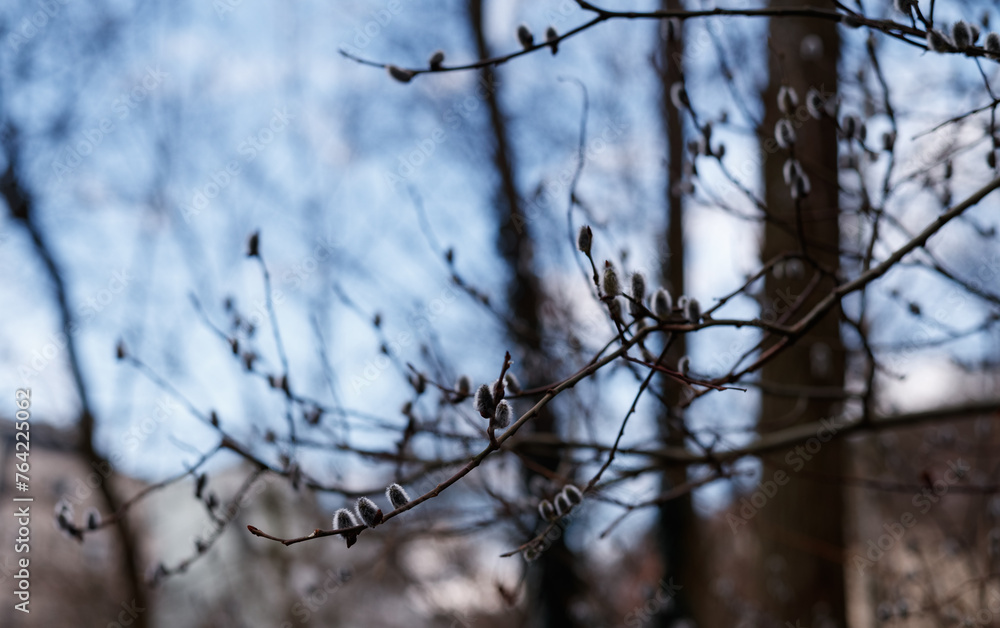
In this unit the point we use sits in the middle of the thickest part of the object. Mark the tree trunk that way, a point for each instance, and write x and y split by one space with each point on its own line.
801 526
677 531
554 584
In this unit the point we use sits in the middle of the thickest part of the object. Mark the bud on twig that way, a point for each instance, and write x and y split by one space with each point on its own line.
611 287
503 414
524 36
93 519
784 133
551 38
463 386
692 310
663 304
679 96
801 187
343 519
400 74
814 103
638 294
937 42
253 245
397 496
584 240
484 401
573 495
562 505
684 365
546 510
512 383
436 60
993 45
788 100
961 34
368 512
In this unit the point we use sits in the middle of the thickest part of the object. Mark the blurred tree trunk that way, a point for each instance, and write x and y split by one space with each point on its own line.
679 543
801 526
554 584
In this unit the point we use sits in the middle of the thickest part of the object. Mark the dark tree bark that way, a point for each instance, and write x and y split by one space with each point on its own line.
801 527
678 539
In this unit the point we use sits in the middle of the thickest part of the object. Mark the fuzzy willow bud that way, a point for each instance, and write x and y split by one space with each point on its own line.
692 310
546 510
638 286
573 495
369 512
524 36
436 60
638 294
343 519
562 505
815 104
484 401
400 74
584 239
679 96
937 42
611 286
801 187
684 365
784 133
961 34
551 38
503 415
397 495
511 380
788 100
791 170
663 304
993 45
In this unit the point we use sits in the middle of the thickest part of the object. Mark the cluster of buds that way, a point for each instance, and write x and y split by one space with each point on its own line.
491 405
567 499
64 520
367 512
795 178
638 294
